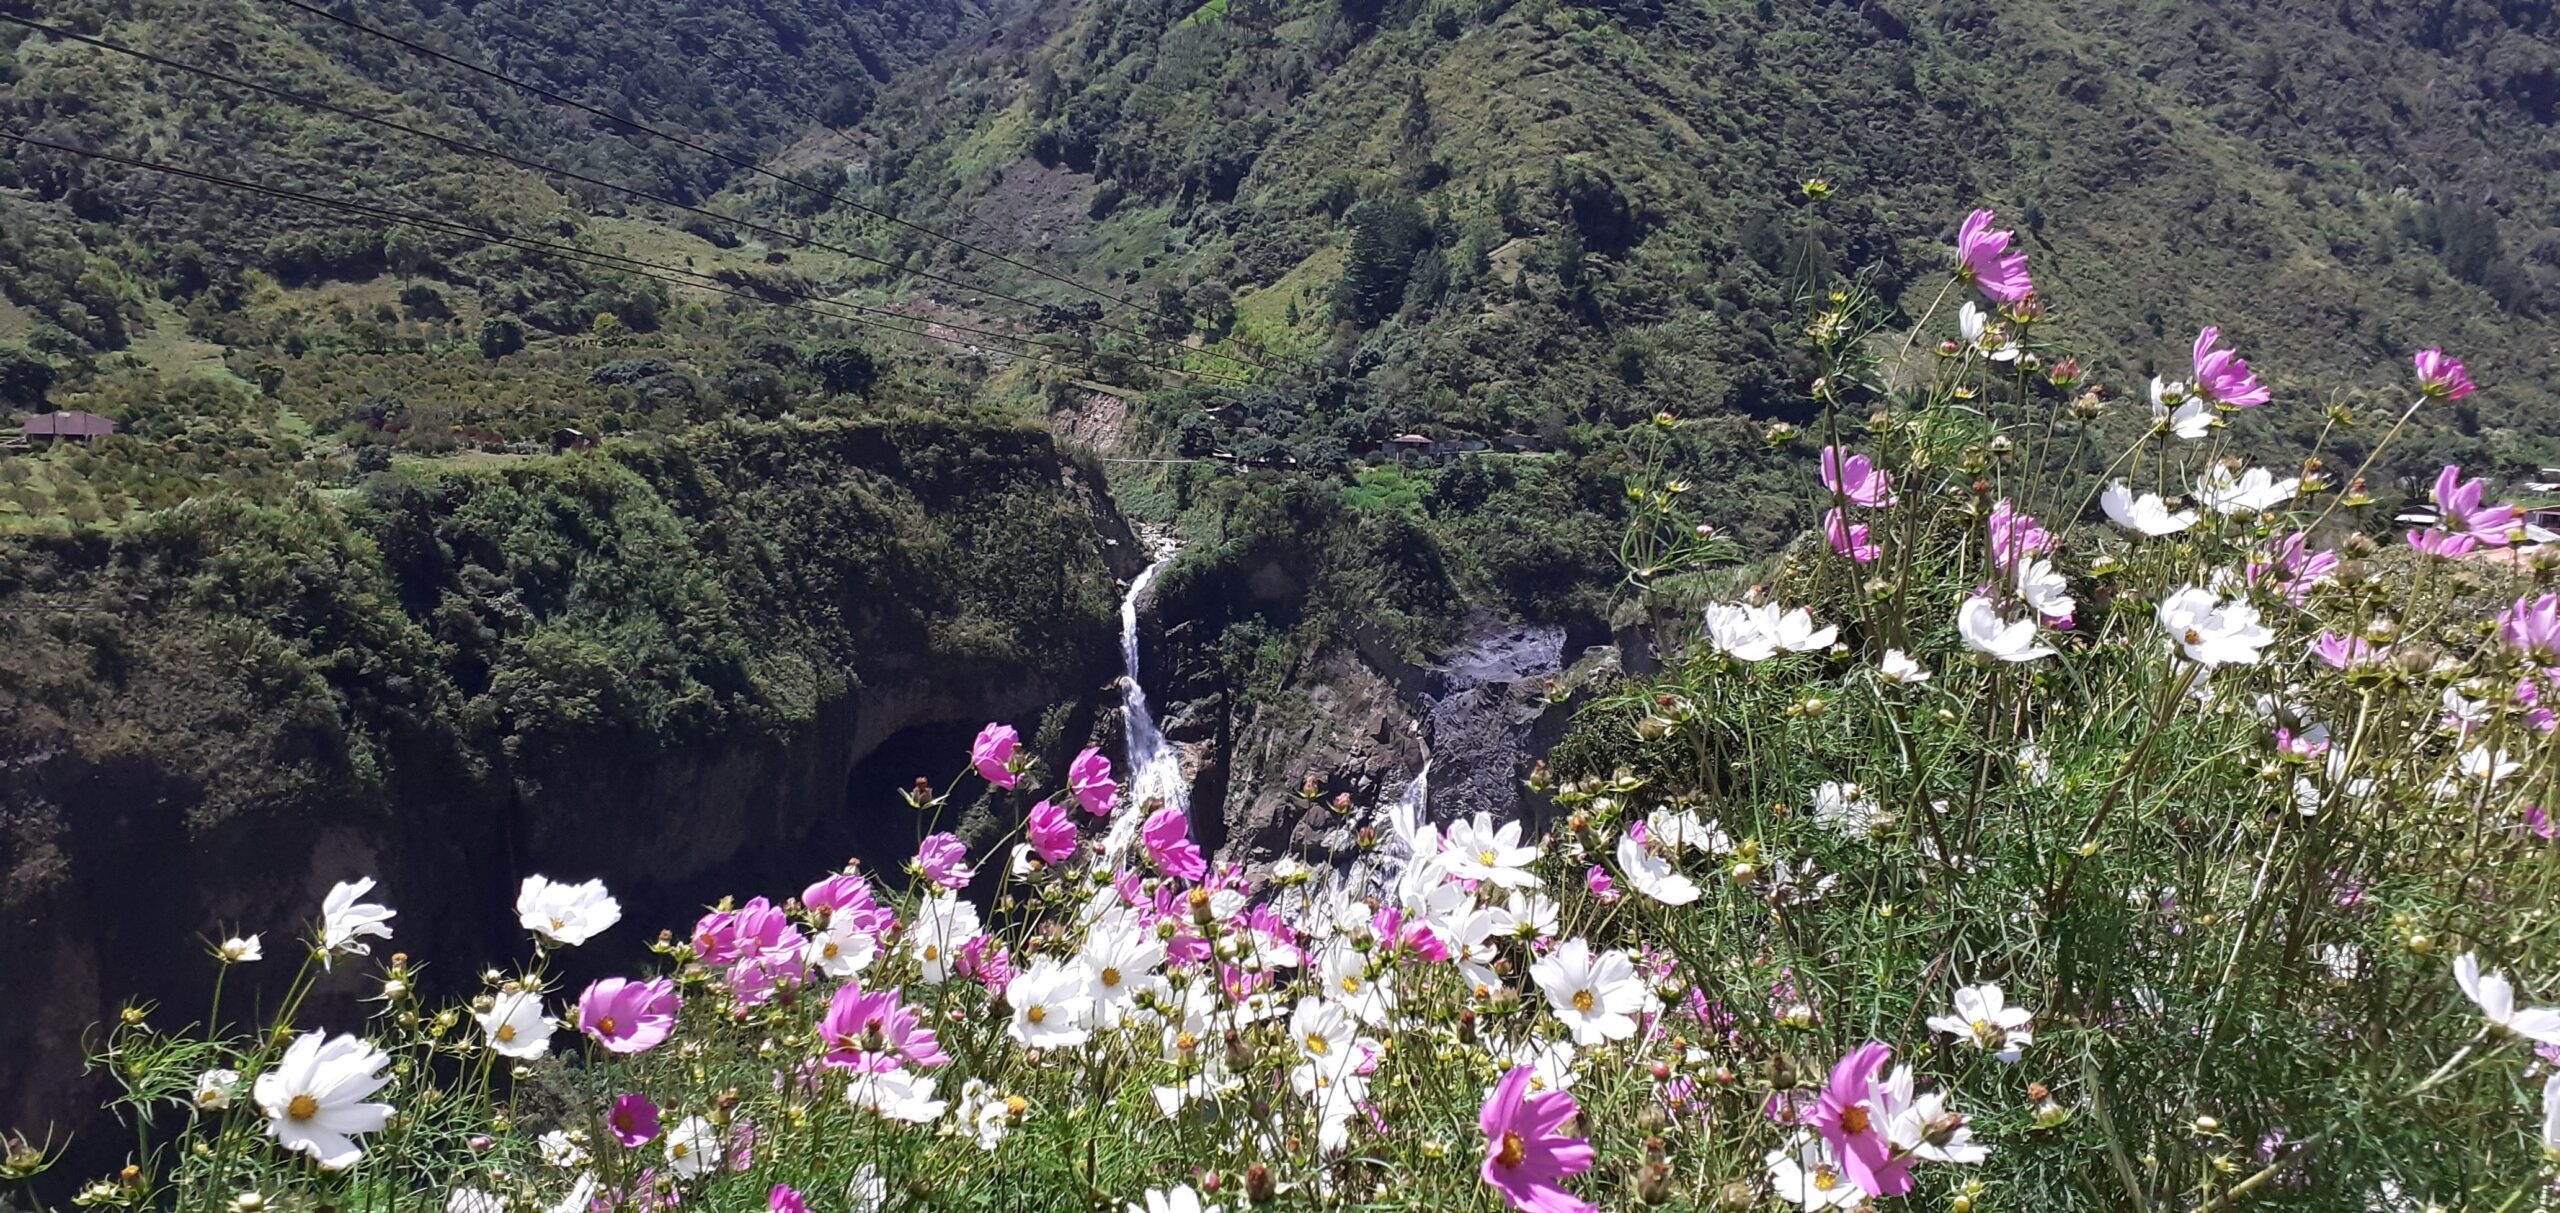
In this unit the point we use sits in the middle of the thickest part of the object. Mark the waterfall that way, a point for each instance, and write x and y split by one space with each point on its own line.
1155 767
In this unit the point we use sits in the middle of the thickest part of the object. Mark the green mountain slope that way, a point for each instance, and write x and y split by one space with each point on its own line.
1496 216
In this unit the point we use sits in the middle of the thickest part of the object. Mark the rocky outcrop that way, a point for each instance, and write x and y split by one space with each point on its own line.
208 759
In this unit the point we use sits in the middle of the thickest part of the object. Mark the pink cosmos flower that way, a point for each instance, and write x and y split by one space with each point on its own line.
2221 376
1524 1154
1089 777
627 1016
1984 260
2015 536
844 891
2339 652
983 959
757 976
2300 747
875 1032
2458 508
715 937
1597 880
784 1199
2538 823
1857 479
1851 1119
2443 545
2441 375
633 1120
944 860
2532 625
992 754
1852 541
2293 568
1168 838
1052 832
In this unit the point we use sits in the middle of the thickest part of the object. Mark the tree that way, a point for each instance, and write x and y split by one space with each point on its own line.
1385 234
843 368
500 336
25 376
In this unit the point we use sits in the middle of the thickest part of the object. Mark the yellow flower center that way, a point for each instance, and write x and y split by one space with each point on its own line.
1350 985
832 950
556 924
1317 1044
932 952
506 1033
1485 857
1825 1179
604 1026
1582 1000
1513 1151
678 1150
1854 1118
1014 1104
1111 977
1037 1014
303 1107
1982 1030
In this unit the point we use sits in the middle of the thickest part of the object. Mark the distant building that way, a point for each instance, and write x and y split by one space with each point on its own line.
68 425
1405 447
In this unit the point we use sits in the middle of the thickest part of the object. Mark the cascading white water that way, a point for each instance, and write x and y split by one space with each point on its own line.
1155 767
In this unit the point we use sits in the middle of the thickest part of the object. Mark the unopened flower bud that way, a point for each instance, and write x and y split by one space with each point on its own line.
1653 1183
1258 1185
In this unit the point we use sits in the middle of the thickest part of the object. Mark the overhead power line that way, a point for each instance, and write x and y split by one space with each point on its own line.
738 162
671 275
473 149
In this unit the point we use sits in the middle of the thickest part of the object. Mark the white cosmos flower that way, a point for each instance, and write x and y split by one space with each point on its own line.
2190 418
943 923
240 950
1596 997
905 1095
1758 633
1741 632
2045 590
314 1096
1652 875
566 914
2212 633
516 1026
1322 1034
1672 831
1803 1173
1796 633
1991 343
216 1089
2551 1118
843 948
2251 492
581 1196
473 1200
1051 1006
1344 971
2496 998
693 1147
1534 915
561 1150
1178 1199
1986 1021
1898 668
1923 1128
1120 969
345 922
2146 514
1847 808
1986 633
867 1191
985 1113
1479 850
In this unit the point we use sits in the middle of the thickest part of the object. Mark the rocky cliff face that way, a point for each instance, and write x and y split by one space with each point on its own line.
124 848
